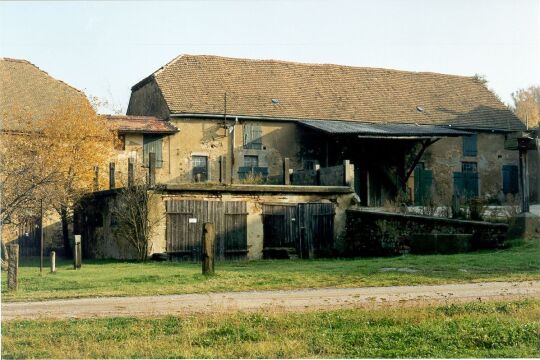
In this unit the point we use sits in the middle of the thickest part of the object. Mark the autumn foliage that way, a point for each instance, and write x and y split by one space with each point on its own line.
50 157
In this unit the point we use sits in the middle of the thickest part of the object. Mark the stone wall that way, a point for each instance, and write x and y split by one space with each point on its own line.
376 233
446 156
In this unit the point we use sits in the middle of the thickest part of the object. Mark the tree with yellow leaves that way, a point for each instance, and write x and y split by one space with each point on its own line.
527 105
52 158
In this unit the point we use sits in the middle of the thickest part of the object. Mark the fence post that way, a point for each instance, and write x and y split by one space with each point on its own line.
348 178
77 256
13 267
96 178
209 236
53 262
112 184
151 169
286 175
130 171
317 169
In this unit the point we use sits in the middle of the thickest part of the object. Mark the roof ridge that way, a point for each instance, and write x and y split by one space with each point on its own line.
24 61
308 64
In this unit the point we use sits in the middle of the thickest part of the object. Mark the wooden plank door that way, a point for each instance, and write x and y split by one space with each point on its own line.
280 226
316 228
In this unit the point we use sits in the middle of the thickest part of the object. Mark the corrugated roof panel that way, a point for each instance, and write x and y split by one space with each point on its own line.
382 130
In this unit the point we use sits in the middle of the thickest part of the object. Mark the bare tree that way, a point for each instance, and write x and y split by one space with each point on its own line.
527 105
132 214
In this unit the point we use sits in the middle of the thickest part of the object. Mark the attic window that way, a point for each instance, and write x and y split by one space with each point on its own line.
275 101
420 109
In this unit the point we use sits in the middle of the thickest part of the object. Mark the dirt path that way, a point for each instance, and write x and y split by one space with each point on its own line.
291 300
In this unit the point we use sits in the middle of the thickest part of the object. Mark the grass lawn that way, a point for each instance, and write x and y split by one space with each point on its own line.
117 278
474 330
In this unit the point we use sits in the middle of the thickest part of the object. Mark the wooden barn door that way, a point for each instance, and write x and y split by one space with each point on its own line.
185 219
316 221
279 226
306 227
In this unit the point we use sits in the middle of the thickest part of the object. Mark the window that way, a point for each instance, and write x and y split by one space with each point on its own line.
252 136
251 161
466 182
470 147
200 168
153 143
469 167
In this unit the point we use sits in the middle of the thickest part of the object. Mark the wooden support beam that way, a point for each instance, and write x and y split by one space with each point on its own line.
152 169
131 170
96 178
112 184
286 173
417 158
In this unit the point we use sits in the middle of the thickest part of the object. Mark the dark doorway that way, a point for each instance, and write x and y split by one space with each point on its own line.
305 230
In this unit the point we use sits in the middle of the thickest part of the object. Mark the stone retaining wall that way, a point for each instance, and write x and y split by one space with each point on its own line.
379 233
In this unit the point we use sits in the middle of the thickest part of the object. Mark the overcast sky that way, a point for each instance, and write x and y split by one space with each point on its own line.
103 48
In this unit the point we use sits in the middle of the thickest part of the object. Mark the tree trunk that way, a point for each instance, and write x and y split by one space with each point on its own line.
68 252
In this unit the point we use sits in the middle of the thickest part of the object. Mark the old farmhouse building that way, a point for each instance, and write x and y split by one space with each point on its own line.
274 152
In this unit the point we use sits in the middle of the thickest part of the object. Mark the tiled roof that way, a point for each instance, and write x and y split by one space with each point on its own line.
197 84
140 124
25 89
380 130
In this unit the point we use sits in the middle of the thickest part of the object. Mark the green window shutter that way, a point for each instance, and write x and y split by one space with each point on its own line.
252 136
423 181
458 183
153 143
470 146
510 179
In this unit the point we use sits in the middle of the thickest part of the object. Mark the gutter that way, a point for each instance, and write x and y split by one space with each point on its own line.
286 119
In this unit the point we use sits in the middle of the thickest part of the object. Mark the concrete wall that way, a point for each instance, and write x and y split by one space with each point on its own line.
446 156
107 244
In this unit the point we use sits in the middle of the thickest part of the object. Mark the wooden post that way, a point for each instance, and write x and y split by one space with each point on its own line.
286 175
41 237
77 256
131 176
209 237
317 168
112 184
13 267
96 178
223 169
53 262
524 179
151 169
348 178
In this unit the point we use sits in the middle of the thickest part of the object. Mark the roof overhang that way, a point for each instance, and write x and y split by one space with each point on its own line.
382 131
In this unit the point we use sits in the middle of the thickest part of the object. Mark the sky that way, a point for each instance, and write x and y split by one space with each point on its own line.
105 47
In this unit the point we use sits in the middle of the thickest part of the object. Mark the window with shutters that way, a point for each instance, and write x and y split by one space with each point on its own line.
153 143
252 136
470 147
199 168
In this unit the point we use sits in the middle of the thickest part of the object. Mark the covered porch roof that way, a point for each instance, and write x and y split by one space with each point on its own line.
382 131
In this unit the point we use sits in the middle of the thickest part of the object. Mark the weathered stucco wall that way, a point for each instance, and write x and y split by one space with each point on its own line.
211 139
446 156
